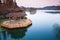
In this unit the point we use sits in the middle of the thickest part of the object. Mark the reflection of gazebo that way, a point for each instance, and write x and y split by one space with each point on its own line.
17 33
11 34
14 13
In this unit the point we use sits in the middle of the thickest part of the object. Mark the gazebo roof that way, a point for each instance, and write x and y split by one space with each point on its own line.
16 11
16 14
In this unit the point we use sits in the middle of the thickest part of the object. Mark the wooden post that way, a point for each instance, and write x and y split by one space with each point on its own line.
13 17
20 17
9 18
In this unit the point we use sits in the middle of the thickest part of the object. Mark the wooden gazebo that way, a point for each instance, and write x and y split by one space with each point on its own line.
15 13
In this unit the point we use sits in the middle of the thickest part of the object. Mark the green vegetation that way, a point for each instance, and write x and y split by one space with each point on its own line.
2 29
1 20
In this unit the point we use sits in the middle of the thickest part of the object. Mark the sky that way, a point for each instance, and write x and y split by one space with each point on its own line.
38 3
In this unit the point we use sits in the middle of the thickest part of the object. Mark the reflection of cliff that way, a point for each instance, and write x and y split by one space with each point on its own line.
0 36
57 31
3 35
17 33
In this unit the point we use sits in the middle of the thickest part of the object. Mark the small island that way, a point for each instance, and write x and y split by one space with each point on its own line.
16 16
49 8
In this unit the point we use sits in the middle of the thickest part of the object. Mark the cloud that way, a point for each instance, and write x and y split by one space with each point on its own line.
37 3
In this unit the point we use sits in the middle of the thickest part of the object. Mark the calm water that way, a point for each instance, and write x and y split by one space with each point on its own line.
45 26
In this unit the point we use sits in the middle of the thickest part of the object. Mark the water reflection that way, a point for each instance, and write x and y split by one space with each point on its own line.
40 30
13 34
32 10
0 36
57 31
17 33
53 12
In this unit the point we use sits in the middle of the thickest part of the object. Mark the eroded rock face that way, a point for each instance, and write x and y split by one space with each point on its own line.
6 5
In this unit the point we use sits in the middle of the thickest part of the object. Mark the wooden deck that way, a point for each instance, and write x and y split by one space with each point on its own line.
16 24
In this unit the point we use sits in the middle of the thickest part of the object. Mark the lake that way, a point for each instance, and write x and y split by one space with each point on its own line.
45 26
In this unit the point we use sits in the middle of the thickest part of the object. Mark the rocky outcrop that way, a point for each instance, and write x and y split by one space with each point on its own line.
5 8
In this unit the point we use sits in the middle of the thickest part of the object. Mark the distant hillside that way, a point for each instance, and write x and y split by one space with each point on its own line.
50 8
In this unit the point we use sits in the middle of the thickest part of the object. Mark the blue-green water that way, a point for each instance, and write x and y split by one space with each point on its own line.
45 26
